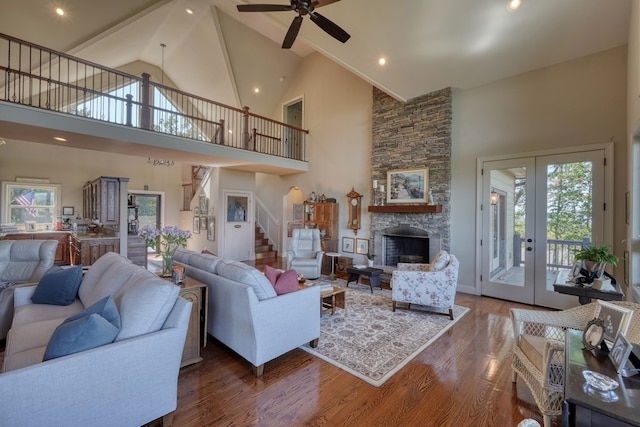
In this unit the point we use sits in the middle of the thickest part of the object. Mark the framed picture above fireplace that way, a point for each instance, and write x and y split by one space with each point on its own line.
407 185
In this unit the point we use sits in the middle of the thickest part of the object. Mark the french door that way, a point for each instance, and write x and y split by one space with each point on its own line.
536 212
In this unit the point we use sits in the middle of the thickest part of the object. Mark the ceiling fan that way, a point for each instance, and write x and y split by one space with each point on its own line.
302 7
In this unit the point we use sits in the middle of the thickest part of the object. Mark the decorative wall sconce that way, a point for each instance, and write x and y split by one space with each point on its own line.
157 162
494 198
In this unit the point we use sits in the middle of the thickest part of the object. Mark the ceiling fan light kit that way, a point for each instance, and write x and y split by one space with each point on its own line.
301 7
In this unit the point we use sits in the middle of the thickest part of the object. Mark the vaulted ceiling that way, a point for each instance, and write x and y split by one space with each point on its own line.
218 53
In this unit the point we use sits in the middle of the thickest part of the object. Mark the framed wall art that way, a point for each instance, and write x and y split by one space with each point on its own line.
196 225
203 223
67 210
204 204
347 244
211 229
362 246
407 185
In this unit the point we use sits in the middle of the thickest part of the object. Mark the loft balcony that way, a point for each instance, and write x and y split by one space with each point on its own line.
46 94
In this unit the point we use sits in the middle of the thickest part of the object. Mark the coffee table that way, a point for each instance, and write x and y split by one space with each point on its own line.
373 274
331 299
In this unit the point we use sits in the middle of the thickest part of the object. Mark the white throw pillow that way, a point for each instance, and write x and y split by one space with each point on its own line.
440 261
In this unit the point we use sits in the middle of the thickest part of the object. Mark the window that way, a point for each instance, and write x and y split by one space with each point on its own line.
30 206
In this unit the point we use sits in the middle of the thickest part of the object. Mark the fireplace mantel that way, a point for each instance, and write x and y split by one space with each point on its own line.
406 209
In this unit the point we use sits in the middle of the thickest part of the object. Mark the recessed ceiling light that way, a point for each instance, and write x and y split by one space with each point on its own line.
59 138
59 11
189 11
514 5
382 61
256 90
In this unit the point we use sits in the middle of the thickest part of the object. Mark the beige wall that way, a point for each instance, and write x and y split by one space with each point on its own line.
633 141
72 168
575 103
337 111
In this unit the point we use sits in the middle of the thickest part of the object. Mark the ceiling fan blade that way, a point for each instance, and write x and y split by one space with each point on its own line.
331 28
294 28
264 7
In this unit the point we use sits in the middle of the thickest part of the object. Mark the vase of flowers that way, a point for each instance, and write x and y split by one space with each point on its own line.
165 242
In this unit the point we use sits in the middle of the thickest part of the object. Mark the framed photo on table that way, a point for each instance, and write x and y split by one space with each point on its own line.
620 352
347 245
407 185
616 319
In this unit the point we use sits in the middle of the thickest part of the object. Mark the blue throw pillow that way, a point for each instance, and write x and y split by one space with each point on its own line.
106 308
97 325
59 286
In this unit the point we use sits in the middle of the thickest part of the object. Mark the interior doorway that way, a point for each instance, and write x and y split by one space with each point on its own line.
293 114
150 209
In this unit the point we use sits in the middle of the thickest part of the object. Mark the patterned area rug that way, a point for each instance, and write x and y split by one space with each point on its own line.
372 342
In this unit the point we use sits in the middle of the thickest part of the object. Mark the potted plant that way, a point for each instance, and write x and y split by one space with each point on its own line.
370 258
595 256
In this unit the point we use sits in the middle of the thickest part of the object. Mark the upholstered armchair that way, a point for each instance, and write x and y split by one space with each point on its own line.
538 351
425 285
305 252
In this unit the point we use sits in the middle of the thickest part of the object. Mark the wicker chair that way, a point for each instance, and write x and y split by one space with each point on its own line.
538 354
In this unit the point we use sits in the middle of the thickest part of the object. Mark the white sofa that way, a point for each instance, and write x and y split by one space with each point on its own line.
21 261
245 313
128 382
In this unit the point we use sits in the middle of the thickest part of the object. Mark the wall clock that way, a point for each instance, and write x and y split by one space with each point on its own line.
353 210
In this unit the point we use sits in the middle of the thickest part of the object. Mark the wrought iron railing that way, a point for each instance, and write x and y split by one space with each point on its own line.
38 77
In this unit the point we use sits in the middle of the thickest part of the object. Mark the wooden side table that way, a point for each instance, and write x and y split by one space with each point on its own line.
196 292
587 407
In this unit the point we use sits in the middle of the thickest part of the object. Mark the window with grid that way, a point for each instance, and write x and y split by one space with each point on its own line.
30 206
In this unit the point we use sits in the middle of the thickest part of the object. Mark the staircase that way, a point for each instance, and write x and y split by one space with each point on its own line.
264 250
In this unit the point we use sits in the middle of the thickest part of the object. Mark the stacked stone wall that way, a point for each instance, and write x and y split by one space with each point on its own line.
413 135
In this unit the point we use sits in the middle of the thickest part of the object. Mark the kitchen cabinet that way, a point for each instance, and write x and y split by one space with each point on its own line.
86 250
101 200
324 216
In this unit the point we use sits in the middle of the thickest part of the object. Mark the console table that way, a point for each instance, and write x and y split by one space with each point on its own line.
585 293
583 405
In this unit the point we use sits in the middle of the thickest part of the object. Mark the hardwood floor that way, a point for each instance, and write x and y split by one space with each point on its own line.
462 379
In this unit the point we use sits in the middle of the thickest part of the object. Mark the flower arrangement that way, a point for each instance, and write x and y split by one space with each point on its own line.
165 242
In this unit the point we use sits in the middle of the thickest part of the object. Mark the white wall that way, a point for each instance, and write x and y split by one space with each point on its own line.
337 112
633 143
72 168
574 103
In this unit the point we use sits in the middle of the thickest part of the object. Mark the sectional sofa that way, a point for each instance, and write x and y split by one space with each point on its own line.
247 315
130 381
21 261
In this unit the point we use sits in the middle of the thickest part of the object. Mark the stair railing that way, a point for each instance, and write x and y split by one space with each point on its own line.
269 225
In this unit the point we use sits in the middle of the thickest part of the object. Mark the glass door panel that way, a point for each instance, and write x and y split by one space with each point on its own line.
508 224
570 208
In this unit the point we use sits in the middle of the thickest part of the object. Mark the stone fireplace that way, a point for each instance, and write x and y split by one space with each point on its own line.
411 135
404 243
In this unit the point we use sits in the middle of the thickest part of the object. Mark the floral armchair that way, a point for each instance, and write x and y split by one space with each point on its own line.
426 284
